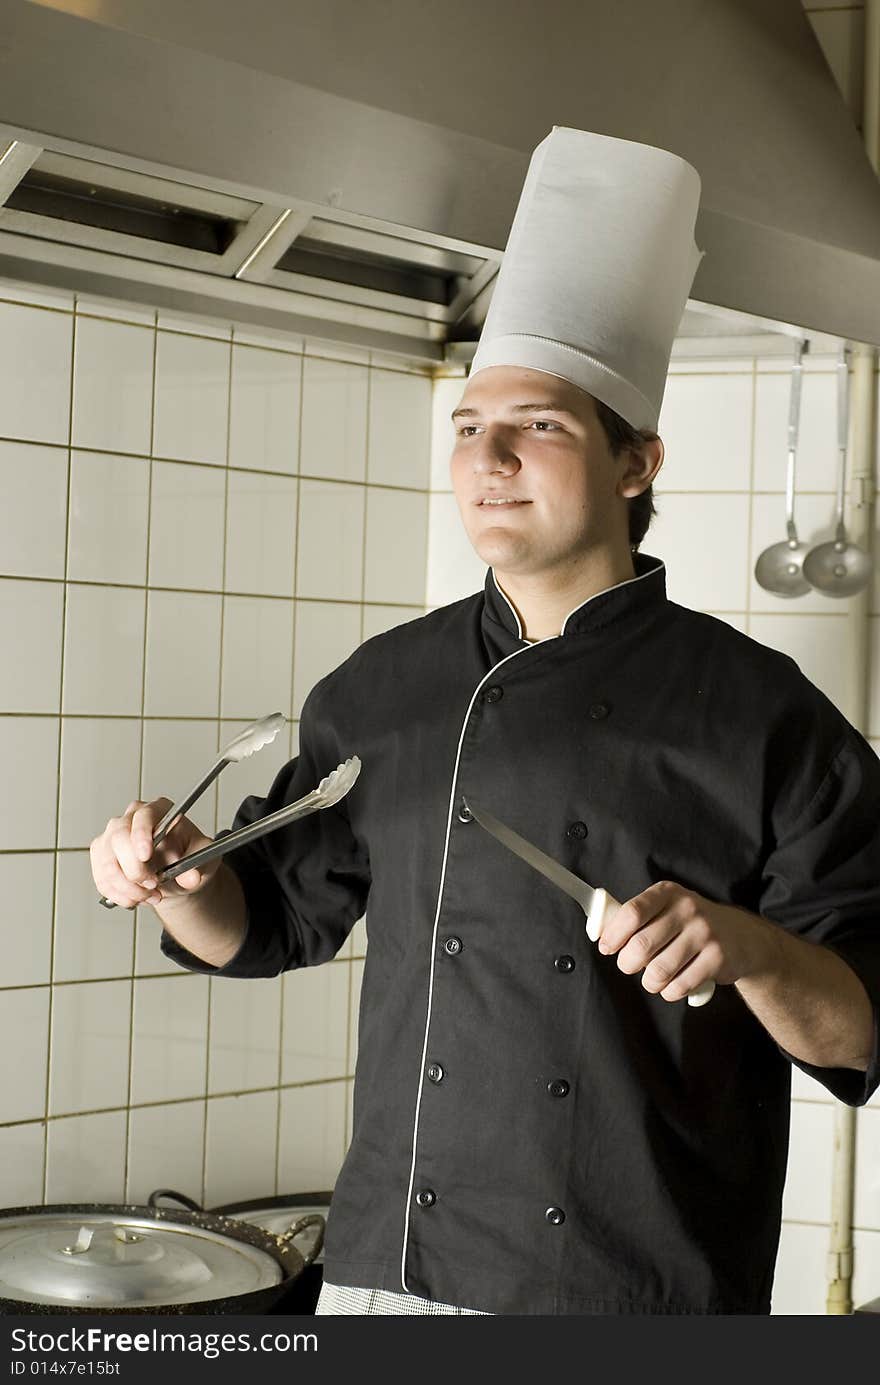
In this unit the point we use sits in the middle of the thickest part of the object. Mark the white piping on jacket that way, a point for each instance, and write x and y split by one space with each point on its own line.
493 669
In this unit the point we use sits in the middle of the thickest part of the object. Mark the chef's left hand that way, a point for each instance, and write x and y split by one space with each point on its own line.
679 939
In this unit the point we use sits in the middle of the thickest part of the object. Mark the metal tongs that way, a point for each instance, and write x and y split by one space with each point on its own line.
330 790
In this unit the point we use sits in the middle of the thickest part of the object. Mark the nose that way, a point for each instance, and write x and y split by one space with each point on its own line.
492 451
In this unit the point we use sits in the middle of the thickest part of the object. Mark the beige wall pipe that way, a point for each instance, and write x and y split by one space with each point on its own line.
860 530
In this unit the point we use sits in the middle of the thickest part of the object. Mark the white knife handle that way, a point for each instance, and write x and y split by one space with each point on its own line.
603 908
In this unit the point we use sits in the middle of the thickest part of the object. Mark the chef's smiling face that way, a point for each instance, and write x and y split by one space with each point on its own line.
534 476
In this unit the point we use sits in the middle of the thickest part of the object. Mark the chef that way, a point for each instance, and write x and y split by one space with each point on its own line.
543 1125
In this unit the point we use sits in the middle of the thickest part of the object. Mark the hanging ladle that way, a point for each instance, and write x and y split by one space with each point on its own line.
779 568
839 568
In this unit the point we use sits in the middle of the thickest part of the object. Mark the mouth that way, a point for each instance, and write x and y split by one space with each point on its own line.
499 502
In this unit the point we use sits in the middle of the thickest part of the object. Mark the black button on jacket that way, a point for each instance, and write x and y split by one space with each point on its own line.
715 763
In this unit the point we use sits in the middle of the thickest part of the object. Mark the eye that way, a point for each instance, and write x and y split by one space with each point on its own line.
543 425
467 430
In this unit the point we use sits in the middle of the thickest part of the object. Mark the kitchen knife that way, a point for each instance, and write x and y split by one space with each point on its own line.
598 905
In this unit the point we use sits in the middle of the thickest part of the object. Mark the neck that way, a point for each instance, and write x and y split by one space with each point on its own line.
543 600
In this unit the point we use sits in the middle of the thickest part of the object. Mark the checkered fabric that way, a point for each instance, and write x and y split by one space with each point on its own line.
336 1299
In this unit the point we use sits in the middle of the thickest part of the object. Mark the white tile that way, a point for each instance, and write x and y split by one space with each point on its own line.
799 1285
33 509
737 620
378 619
186 526
85 1158
454 569
149 959
22 1153
697 408
357 978
336 351
261 534
183 655
330 541
326 633
807 1195
315 1023
100 759
170 1039
88 1065
815 523
805 1088
867 1198
251 776
112 385
29 755
240 1143
818 645
117 309
447 394
192 398
90 941
165 1150
109 502
866 1267
397 546
357 938
333 441
703 539
24 1031
257 656
17 291
195 326
349 1113
264 409
311 1141
817 456
26 885
399 438
177 754
103 651
30 627
682 364
271 338
36 348
245 1033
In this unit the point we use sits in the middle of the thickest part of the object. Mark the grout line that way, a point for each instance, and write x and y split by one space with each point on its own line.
138 917
56 863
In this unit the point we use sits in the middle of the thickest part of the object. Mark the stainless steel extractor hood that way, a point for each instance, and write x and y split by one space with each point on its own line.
351 167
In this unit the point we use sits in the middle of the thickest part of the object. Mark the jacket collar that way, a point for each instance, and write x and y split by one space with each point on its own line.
647 589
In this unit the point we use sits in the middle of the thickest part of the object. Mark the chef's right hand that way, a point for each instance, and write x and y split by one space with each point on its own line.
125 863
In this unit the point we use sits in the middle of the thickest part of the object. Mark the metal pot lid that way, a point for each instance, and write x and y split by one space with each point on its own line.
109 1259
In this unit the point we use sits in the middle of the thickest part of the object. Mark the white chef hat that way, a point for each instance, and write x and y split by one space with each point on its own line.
597 269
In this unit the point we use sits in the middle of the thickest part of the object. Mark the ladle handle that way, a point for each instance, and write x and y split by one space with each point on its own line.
842 432
794 416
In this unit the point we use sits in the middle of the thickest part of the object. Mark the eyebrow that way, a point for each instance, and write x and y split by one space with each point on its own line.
519 409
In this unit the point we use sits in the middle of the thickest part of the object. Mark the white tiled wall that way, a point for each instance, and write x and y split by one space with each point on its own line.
195 523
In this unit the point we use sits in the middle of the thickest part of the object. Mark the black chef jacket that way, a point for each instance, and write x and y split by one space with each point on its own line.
535 1133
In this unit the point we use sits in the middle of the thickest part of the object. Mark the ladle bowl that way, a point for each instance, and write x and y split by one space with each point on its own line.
779 568
837 568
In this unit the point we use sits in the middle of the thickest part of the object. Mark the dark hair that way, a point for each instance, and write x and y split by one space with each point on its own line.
621 436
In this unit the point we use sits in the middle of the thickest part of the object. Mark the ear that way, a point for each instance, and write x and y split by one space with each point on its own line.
640 466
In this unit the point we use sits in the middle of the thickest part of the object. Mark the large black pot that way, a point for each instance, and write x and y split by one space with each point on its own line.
276 1215
76 1258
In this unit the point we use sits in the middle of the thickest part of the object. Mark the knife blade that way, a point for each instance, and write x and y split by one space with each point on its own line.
598 905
